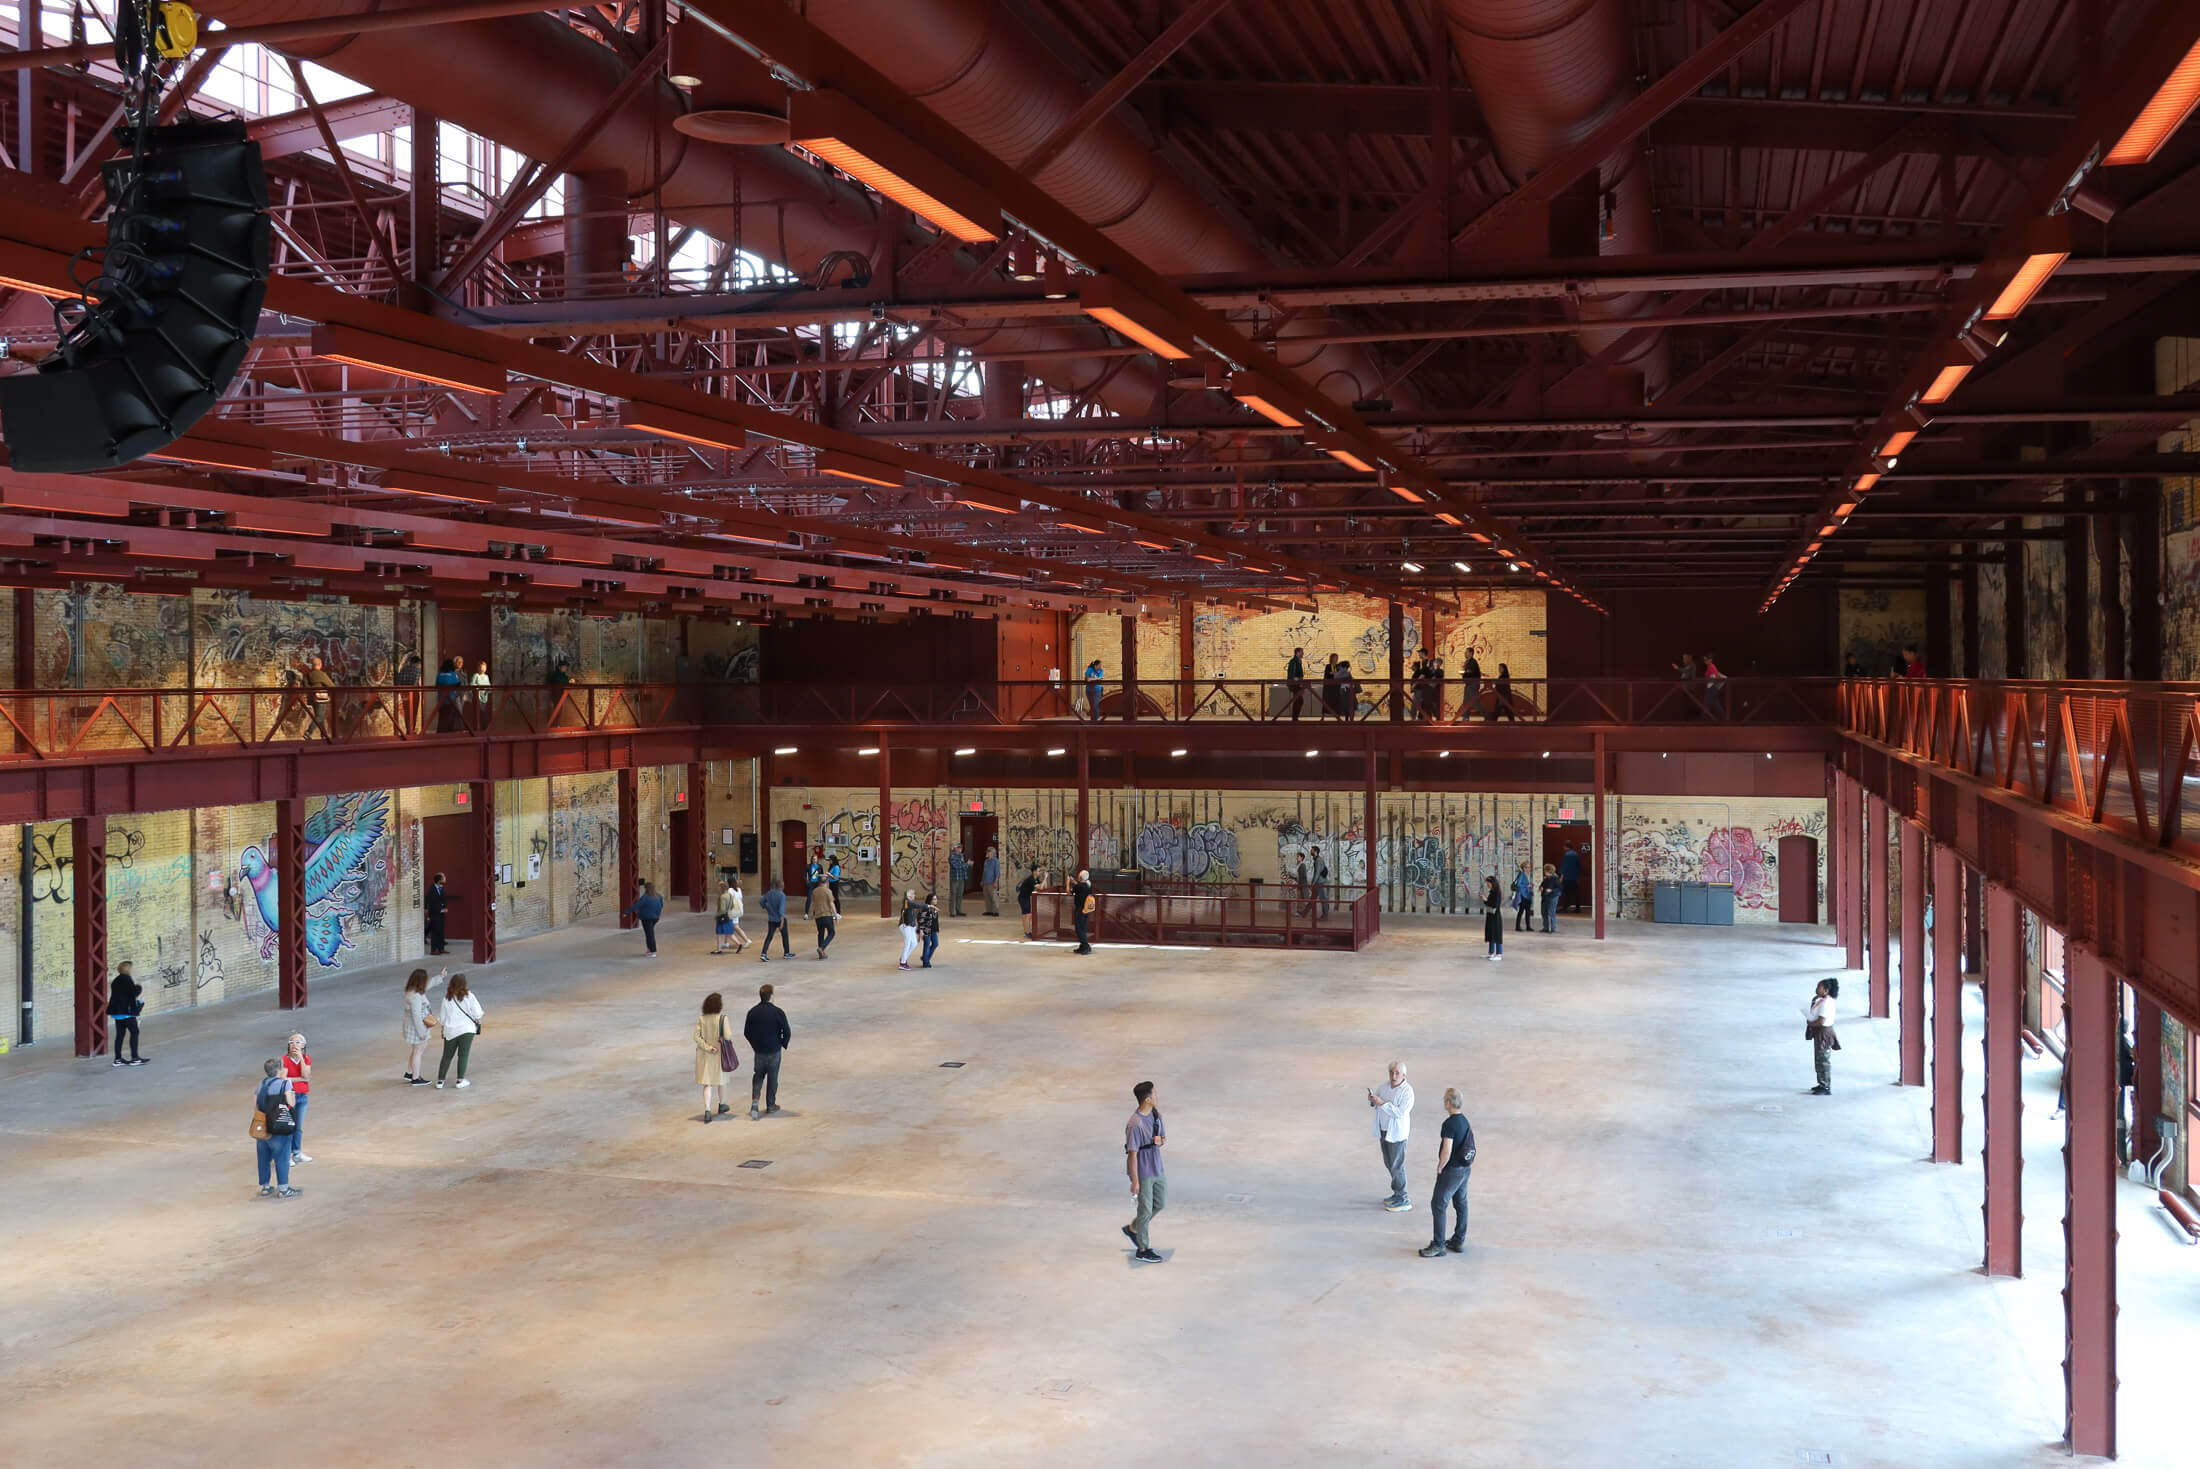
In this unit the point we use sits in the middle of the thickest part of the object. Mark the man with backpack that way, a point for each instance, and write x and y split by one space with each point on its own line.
125 1003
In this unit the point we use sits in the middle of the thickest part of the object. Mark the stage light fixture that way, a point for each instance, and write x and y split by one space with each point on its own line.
165 325
868 150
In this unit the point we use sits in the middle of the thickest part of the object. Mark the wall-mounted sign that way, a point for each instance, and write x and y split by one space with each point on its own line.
464 797
977 805
1565 813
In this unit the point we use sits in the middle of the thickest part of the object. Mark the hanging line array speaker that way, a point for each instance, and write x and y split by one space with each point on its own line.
165 325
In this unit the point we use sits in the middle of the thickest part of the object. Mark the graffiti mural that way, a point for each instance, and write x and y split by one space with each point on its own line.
1198 851
1877 624
245 642
2044 644
347 877
1993 617
99 635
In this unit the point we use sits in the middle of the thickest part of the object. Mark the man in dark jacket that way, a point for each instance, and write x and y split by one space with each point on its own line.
648 908
767 1033
1569 879
1024 890
1080 894
437 905
125 1003
775 921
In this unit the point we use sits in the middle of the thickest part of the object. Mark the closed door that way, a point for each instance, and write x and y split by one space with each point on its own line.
446 846
683 871
1558 836
794 854
978 833
1798 879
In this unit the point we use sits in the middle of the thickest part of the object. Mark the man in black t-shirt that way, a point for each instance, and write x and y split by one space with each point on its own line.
1454 1161
1080 897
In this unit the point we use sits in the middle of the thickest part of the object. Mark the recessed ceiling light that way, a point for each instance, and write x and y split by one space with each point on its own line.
1443 754
868 750
784 750
966 752
1310 754
1546 754
1057 750
1180 752
1410 565
1460 564
682 79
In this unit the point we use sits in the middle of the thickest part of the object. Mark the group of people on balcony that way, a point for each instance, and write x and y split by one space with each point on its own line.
1706 676
1340 691
1905 664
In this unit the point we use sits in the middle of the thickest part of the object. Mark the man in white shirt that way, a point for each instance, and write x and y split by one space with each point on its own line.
1393 1104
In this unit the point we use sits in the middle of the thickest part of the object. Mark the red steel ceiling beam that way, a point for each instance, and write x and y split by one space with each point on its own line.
283 33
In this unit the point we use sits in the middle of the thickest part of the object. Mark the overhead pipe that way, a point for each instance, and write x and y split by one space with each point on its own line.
1545 73
529 82
986 74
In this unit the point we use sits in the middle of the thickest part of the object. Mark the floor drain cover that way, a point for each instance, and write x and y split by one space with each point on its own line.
1814 1456
758 1163
1770 1107
950 1065
1237 1198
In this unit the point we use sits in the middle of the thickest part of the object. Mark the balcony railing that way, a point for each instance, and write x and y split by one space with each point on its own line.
1273 701
1236 915
55 724
2120 755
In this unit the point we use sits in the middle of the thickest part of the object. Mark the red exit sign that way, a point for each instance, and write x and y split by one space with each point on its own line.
977 805
463 798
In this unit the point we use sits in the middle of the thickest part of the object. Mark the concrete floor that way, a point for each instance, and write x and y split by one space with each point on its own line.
1676 1257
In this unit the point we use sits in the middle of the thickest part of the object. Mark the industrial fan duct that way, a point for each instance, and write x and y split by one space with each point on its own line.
166 323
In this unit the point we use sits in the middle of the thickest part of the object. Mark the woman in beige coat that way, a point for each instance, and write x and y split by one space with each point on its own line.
711 1027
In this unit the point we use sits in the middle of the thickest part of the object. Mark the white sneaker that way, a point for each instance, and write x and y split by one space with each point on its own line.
439 1086
462 1086
301 1157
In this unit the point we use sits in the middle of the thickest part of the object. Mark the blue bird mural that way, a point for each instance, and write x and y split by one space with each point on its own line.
339 887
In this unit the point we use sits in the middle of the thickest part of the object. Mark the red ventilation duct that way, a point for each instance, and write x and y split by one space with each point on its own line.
530 82
1546 73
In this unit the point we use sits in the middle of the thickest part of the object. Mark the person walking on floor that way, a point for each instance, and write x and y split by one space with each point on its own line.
647 909
407 679
908 925
1523 896
832 879
824 909
1501 696
1818 1030
1569 878
989 878
481 691
1454 1163
1470 686
1092 689
274 1119
958 878
1393 1104
1294 680
438 909
125 1006
1493 917
418 1022
298 1068
460 1022
1081 905
730 908
1024 890
775 922
1321 884
768 1033
319 683
450 716
1143 1136
1550 888
928 927
714 1054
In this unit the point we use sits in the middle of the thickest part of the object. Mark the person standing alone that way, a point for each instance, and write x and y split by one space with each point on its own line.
1818 1030
1142 1140
125 1004
989 878
1393 1104
1493 917
298 1069
958 878
775 921
1569 878
1081 904
1454 1164
767 1032
438 906
1024 891
1294 680
647 909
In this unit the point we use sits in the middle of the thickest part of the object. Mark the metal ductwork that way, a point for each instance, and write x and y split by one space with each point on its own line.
1546 73
530 82
982 71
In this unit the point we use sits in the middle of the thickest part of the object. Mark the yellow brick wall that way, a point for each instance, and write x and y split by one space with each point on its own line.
1667 839
524 905
584 846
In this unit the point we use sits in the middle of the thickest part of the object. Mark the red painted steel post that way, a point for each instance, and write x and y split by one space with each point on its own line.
1084 804
1852 861
1397 631
1130 665
1836 874
485 864
1599 852
2003 935
2089 1208
1368 816
88 903
290 904
630 844
1875 899
1185 658
1912 1037
885 825
2146 1074
702 887
1947 1004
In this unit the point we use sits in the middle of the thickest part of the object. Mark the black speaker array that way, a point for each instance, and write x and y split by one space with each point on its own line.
166 323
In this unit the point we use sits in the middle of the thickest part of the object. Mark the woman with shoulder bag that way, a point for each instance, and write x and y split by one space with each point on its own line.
460 1021
1818 1030
714 1054
274 1122
1493 917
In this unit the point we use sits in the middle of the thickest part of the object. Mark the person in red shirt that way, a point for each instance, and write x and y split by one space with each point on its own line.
1912 665
298 1066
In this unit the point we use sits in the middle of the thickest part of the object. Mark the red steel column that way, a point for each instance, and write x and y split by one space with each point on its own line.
1598 850
2004 940
1836 871
88 873
1947 1005
290 904
885 825
1397 631
485 867
1084 804
1852 864
703 886
1912 1038
1130 665
1875 898
2089 1212
2146 1076
630 844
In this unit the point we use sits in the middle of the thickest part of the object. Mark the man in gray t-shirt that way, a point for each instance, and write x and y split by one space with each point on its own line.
1142 1140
